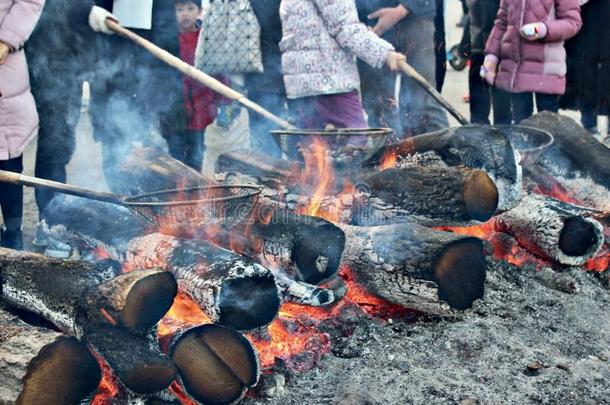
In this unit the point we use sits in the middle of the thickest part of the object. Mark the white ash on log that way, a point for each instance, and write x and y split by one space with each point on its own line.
553 231
476 147
417 267
231 289
135 359
217 364
586 153
148 170
81 294
41 367
433 196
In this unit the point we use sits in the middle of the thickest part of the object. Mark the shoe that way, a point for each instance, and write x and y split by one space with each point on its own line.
12 239
40 241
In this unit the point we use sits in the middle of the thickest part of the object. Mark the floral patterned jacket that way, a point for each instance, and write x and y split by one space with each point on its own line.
321 40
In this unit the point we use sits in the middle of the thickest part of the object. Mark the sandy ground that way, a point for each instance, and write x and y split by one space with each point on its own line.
85 167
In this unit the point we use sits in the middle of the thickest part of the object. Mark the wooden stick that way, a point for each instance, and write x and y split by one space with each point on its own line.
196 74
414 74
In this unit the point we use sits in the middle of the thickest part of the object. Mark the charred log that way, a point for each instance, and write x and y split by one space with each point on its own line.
554 231
269 172
431 196
91 226
81 294
149 170
231 289
39 366
476 147
134 359
136 300
308 248
217 365
586 153
417 267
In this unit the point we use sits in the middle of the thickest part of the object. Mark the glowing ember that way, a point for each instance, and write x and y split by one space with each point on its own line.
296 330
108 388
390 160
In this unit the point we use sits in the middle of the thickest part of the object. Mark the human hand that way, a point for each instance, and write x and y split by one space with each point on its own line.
4 51
387 17
393 60
489 69
97 20
533 31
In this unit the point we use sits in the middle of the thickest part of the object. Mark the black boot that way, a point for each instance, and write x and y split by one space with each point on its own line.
11 239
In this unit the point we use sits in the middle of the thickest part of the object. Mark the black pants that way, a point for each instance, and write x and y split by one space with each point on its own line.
440 46
483 96
59 110
187 147
11 196
523 104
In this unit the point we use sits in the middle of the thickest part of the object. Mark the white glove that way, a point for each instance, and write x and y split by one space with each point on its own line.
97 20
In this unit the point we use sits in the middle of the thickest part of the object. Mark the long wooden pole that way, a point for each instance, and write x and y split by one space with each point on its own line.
196 74
414 74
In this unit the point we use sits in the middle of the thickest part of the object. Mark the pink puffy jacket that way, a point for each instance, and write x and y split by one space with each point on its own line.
18 116
533 66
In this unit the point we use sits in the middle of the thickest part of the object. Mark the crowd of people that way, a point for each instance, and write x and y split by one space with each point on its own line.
326 62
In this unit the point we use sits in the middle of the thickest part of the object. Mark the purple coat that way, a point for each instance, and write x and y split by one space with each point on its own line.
18 116
533 66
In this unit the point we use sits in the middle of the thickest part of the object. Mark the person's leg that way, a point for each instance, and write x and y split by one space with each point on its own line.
260 127
440 45
177 145
193 149
547 102
377 90
502 108
480 100
11 203
59 110
589 119
419 112
523 106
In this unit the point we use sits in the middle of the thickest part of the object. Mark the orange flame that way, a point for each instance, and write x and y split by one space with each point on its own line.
389 160
108 388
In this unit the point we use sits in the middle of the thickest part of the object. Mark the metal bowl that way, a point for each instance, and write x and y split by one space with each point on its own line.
529 142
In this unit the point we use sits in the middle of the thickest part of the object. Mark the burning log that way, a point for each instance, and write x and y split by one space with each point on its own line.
149 170
308 248
417 267
81 293
135 359
554 231
431 196
231 289
39 366
485 148
217 365
586 153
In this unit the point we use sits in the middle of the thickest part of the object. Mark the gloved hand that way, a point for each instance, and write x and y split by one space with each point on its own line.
489 69
533 31
97 20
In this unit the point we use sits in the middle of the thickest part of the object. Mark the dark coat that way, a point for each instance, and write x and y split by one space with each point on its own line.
482 16
589 60
271 80
417 8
